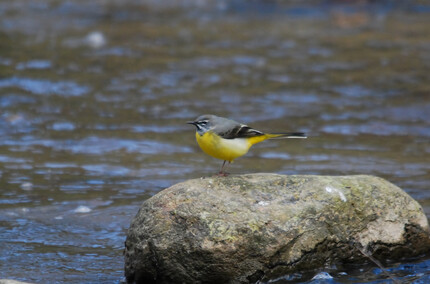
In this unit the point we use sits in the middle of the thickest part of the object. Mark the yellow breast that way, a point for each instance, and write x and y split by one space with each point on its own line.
224 149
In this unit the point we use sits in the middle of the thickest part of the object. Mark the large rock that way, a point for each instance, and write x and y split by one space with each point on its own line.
242 229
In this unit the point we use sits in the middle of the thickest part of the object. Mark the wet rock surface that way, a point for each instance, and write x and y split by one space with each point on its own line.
242 229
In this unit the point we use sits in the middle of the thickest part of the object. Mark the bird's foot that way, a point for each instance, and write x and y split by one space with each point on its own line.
222 174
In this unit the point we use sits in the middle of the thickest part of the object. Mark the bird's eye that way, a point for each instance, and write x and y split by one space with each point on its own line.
203 122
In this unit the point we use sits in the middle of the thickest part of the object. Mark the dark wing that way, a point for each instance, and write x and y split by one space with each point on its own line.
240 131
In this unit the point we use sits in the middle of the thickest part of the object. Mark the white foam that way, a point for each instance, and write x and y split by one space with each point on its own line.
82 209
322 276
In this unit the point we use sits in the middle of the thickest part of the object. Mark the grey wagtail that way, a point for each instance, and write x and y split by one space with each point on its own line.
227 139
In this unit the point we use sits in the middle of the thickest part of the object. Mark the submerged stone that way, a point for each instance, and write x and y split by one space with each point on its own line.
12 281
242 229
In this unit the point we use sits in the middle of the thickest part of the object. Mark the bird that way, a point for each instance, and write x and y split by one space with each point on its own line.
226 139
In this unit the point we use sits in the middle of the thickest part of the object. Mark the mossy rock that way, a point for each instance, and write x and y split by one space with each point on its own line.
241 229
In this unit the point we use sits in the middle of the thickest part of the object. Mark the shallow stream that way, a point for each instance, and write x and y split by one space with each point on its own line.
94 96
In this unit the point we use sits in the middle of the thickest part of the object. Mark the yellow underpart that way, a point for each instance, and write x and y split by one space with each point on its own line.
228 149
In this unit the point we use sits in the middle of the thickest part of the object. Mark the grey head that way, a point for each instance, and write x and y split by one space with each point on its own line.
214 123
224 127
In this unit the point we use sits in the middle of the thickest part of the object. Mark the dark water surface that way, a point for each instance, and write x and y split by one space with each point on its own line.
94 96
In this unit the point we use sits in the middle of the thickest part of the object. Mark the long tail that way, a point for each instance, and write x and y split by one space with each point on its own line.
286 135
260 138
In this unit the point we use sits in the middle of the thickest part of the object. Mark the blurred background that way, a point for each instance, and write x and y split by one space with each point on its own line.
94 96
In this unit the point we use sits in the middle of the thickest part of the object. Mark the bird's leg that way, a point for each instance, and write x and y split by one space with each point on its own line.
221 172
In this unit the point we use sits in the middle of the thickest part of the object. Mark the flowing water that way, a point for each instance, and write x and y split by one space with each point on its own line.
94 96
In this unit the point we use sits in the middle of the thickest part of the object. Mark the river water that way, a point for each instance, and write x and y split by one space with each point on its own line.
94 96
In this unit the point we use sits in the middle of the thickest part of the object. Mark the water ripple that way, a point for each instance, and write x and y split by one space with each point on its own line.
97 146
45 87
34 64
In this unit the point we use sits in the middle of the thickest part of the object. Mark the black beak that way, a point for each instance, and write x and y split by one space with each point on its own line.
191 122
